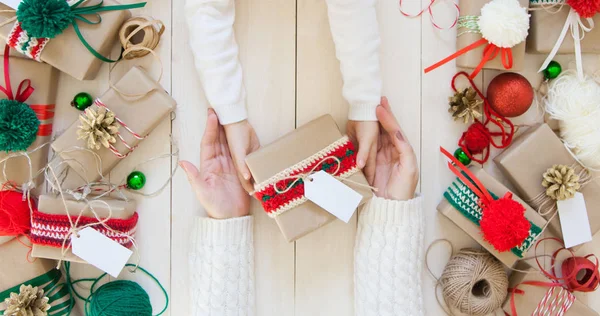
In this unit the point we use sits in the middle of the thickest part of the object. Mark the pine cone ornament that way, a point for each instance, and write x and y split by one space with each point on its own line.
30 301
98 127
561 182
465 105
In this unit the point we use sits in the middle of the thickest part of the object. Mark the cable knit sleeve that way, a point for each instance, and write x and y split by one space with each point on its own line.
210 24
388 258
222 267
355 32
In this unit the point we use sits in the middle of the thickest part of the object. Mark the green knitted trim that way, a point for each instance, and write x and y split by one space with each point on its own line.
540 2
467 203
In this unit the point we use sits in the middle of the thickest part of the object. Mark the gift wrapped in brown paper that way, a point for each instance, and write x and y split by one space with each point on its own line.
50 225
524 164
88 37
15 268
40 97
126 121
527 298
277 168
462 207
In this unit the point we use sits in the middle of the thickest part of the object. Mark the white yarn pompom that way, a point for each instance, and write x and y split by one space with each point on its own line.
504 23
576 104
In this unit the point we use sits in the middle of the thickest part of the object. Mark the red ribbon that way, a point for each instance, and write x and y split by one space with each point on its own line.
24 91
431 17
472 182
490 52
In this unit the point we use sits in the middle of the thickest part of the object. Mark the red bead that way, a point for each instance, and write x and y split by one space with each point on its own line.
510 94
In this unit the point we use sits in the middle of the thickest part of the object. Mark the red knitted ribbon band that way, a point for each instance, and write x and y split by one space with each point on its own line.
23 43
51 229
112 148
289 181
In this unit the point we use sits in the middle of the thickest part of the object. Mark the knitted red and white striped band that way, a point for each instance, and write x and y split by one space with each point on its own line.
51 229
112 148
290 187
31 47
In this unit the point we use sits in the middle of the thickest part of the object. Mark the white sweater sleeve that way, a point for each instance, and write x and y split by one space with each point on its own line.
210 24
388 258
222 267
355 32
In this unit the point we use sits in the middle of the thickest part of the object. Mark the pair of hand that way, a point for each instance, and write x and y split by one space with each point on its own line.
389 160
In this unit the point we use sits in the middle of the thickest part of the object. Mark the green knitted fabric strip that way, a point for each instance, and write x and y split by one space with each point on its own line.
467 203
541 2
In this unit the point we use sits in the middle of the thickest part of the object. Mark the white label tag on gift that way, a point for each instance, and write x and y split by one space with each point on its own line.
332 195
12 3
100 251
574 221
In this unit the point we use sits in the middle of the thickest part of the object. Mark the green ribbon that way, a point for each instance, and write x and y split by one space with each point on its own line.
53 289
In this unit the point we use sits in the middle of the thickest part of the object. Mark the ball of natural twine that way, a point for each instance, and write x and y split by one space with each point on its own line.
474 282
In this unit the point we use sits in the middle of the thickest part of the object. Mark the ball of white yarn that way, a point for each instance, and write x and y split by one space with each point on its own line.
504 23
576 104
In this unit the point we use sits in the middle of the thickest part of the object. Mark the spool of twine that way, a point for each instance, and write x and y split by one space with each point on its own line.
139 36
474 282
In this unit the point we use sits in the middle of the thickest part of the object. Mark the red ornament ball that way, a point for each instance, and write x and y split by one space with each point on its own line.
510 94
15 218
585 8
503 223
477 138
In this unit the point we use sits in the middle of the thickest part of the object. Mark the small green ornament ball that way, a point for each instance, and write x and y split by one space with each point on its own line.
82 101
553 70
136 180
462 156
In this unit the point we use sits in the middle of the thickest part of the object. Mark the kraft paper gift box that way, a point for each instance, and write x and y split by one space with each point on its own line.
530 155
44 80
508 257
291 150
140 114
16 269
67 53
528 300
472 58
48 245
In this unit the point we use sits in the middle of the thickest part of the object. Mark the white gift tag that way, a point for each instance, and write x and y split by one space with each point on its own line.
574 221
332 195
100 251
12 3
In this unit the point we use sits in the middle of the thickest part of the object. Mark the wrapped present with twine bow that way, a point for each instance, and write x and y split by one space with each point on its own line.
75 37
113 127
280 167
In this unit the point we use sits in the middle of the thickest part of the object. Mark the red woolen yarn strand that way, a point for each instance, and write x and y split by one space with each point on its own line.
15 216
585 8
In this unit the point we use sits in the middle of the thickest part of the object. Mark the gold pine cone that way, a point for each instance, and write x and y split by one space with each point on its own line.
30 301
98 128
561 182
465 105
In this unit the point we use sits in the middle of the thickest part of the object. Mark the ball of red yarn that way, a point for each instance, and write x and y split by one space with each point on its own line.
477 138
15 216
503 223
585 8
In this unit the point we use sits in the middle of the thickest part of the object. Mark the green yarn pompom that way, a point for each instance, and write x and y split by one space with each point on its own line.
18 125
44 18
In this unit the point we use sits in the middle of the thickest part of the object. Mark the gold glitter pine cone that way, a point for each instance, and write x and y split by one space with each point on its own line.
98 128
465 105
30 301
561 182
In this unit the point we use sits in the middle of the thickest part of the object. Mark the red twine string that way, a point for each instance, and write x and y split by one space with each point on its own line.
431 17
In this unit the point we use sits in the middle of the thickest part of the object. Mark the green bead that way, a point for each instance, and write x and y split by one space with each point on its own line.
136 180
82 101
553 70
462 156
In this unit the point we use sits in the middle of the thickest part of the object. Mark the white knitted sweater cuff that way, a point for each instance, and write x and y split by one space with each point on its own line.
380 211
232 113
363 112
233 231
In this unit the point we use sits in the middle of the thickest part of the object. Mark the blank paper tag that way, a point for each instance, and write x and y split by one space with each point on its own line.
12 3
332 195
100 251
574 221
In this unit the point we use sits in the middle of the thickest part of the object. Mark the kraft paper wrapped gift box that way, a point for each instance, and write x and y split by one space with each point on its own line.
530 155
67 53
527 302
291 150
472 58
141 114
119 210
473 230
44 80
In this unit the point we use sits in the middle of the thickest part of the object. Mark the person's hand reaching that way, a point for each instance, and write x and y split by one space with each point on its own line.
396 170
242 141
365 134
216 184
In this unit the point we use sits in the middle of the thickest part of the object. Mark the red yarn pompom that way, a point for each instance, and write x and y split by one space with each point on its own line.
15 215
585 8
477 138
503 223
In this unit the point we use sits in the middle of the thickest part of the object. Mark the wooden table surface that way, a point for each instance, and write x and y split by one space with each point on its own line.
291 76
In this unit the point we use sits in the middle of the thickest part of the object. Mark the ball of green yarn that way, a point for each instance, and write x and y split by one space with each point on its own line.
18 125
120 298
44 18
